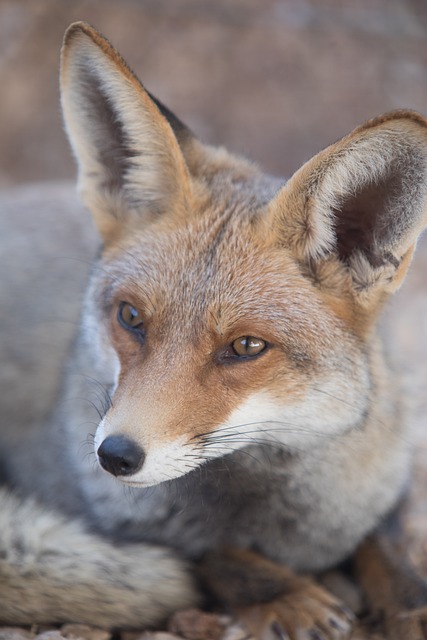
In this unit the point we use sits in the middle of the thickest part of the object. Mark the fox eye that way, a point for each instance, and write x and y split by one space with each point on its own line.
129 317
247 346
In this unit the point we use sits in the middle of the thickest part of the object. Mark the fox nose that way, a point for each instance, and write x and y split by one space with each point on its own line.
120 456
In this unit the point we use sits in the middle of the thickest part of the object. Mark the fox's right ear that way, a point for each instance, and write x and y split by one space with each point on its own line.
130 161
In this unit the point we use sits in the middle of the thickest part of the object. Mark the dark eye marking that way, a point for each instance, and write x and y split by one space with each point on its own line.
130 319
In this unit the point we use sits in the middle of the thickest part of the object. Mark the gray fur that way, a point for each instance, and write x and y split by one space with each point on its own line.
190 514
305 498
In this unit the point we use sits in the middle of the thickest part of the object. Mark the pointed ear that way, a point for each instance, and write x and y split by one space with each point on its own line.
128 155
357 208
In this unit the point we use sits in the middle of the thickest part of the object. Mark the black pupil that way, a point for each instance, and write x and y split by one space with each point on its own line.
129 316
248 346
133 315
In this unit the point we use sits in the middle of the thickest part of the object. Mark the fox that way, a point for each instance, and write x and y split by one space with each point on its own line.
229 424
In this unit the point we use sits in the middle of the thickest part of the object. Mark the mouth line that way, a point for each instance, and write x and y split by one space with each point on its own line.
136 483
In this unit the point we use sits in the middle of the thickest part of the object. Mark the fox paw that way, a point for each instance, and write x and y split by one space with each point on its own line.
310 613
407 625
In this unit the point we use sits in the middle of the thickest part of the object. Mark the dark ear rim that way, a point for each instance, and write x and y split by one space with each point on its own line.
182 132
389 116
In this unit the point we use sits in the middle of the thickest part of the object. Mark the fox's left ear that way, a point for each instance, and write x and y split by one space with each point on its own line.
126 143
355 210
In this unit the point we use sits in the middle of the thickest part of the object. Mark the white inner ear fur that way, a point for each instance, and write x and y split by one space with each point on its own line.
380 172
371 163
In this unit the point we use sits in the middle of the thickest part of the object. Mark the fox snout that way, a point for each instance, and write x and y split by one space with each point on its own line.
120 456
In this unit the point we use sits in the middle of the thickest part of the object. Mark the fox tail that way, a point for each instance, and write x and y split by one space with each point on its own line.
54 571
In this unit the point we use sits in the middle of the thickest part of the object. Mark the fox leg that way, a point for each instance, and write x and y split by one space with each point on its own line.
271 601
393 589
53 571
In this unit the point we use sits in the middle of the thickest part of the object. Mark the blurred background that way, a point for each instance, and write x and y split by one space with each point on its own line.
276 80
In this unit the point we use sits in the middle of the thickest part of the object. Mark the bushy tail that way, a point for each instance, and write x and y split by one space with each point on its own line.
53 571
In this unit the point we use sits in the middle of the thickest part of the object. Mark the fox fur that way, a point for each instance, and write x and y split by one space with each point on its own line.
298 452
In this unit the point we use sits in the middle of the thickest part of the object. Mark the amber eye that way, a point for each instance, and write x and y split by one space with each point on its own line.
129 317
247 346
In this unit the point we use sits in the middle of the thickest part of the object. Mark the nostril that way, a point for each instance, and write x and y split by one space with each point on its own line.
120 456
124 465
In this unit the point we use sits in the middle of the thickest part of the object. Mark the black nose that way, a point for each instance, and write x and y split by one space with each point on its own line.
120 456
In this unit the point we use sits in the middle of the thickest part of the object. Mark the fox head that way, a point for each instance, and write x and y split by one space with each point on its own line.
229 308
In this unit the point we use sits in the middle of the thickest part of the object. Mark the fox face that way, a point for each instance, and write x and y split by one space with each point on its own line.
229 309
220 343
